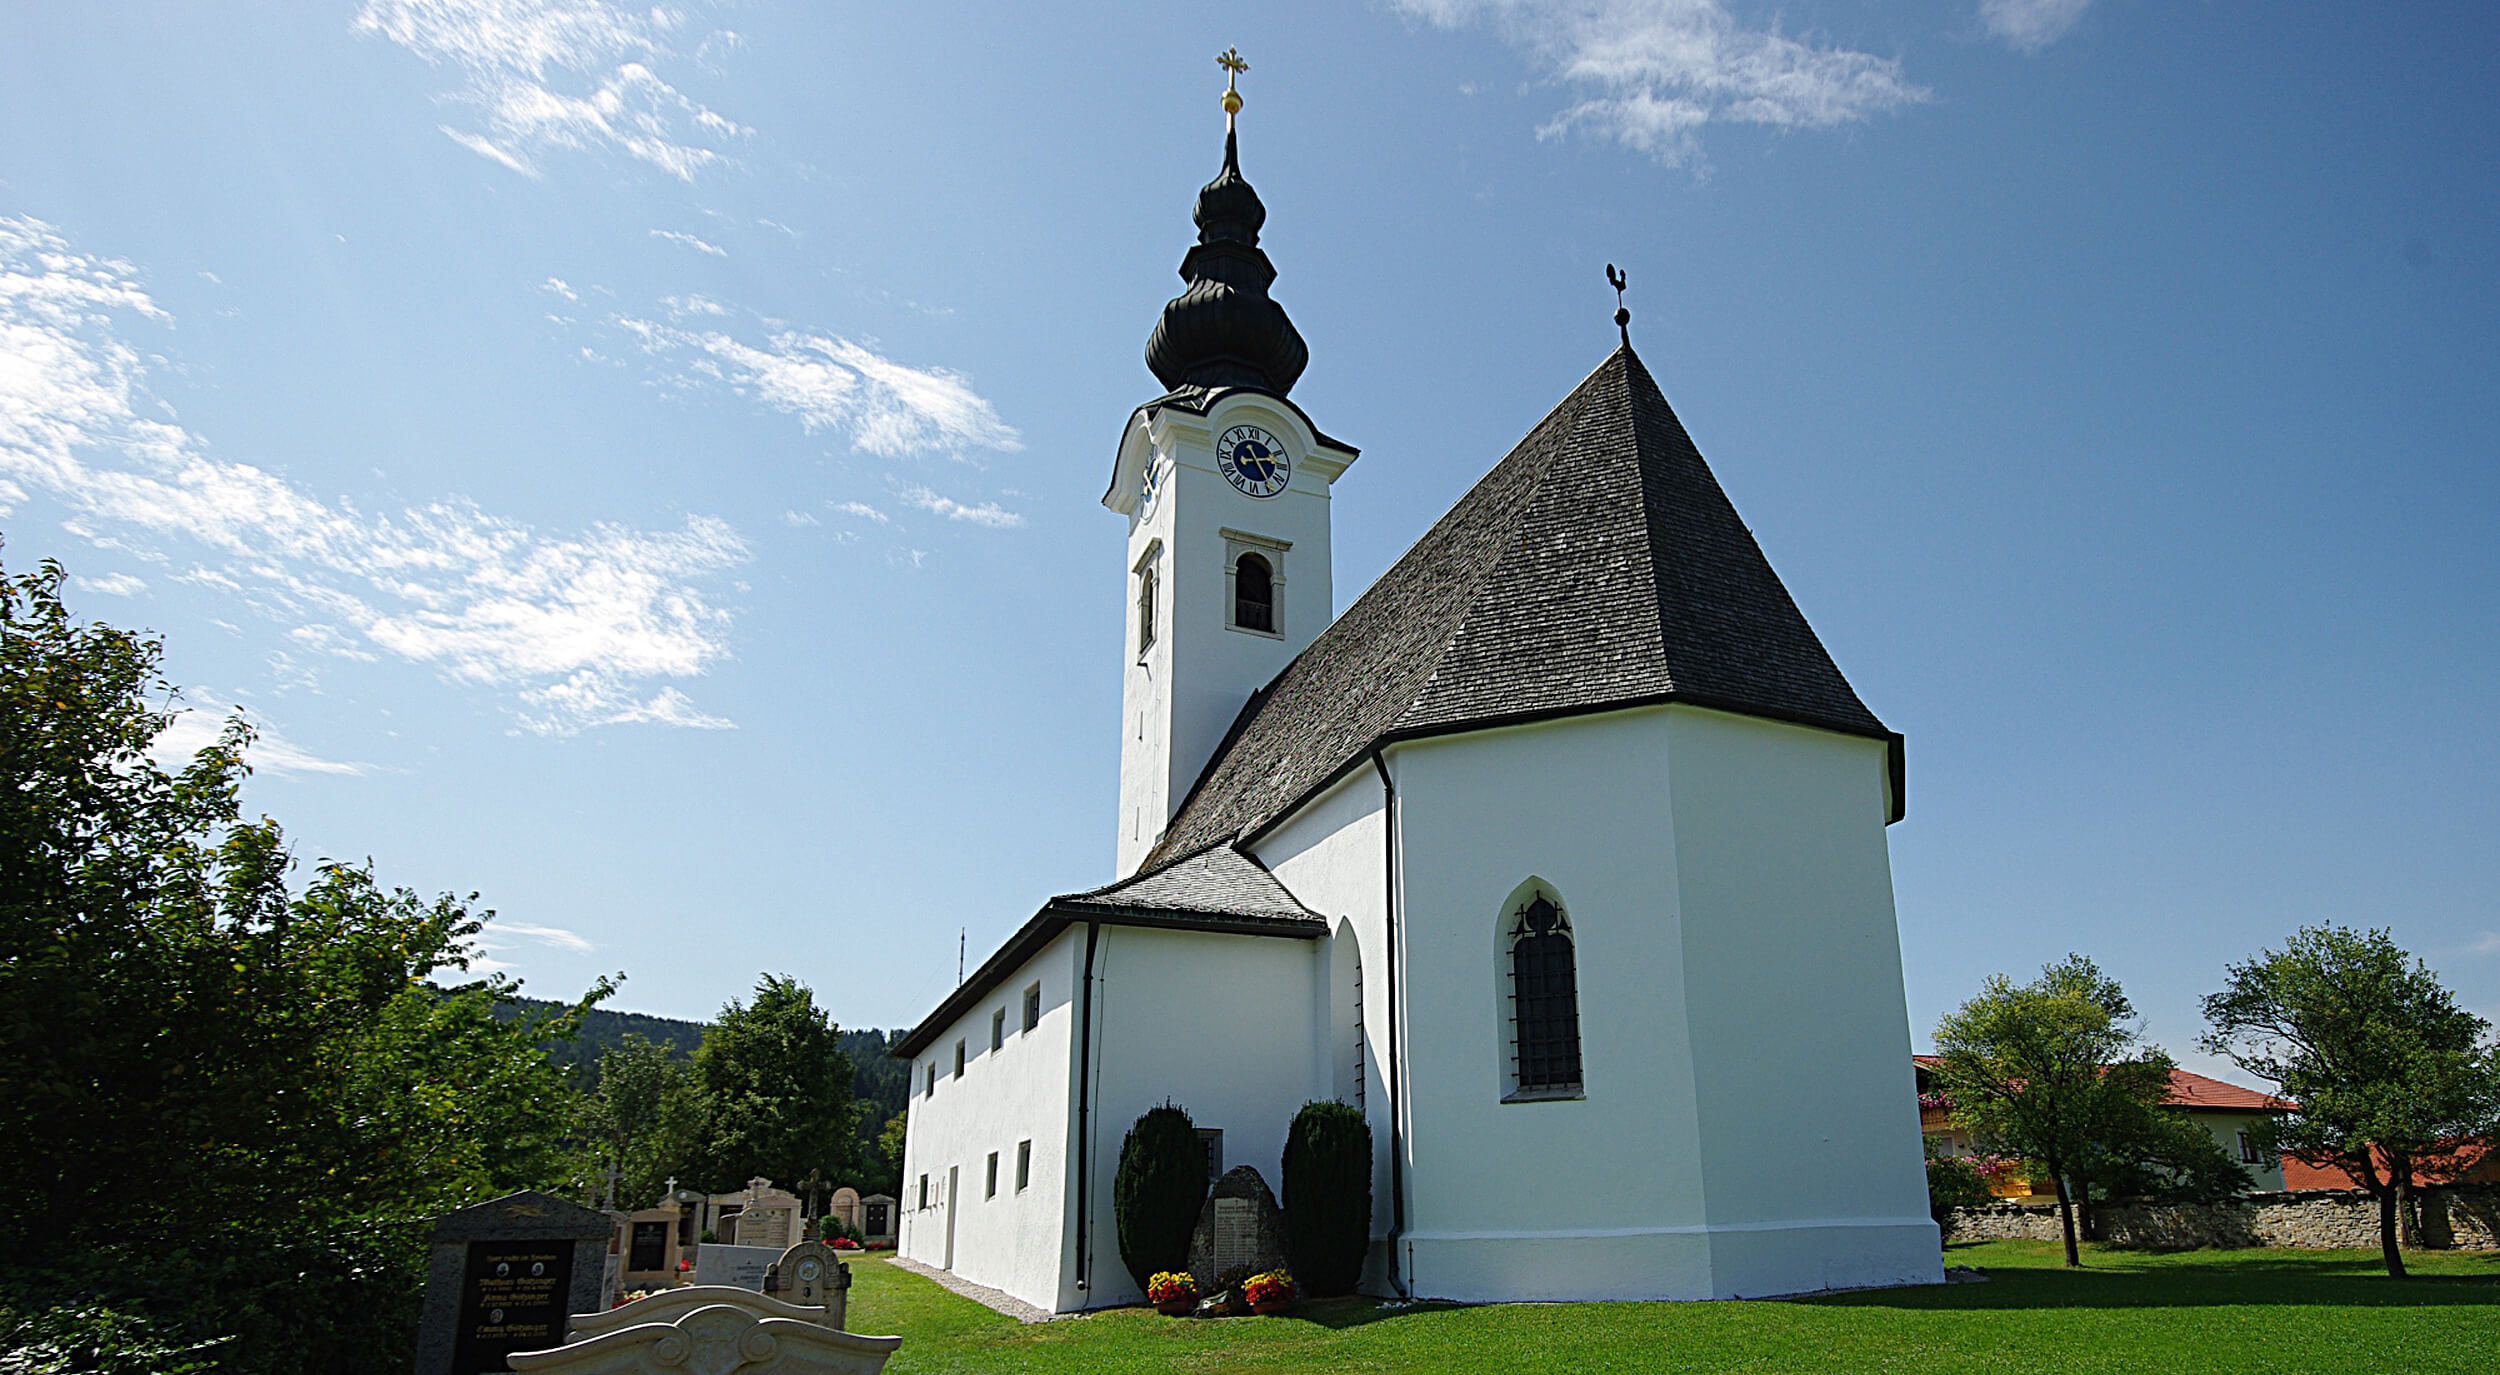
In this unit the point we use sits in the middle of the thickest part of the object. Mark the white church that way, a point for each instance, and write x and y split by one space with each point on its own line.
1560 854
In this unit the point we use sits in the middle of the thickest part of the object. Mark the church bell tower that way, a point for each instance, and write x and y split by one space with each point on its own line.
1225 485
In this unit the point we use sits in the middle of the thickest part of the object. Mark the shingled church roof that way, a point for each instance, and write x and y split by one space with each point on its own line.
1597 566
1218 891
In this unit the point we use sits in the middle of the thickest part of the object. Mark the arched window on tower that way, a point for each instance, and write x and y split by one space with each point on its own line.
1544 1000
1254 594
1145 610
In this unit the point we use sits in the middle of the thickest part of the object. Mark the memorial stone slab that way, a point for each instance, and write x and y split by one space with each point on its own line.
741 1266
1240 1231
506 1276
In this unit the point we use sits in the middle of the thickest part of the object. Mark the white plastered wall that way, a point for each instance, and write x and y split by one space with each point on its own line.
1748 1125
1216 1023
1014 1241
2265 1176
1799 1026
1333 855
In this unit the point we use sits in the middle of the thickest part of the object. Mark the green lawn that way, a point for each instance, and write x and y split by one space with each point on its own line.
2221 1311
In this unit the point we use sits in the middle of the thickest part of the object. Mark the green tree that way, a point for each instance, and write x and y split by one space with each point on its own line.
250 1095
2394 1081
889 1179
644 1121
777 1088
2051 1071
1328 1197
1157 1191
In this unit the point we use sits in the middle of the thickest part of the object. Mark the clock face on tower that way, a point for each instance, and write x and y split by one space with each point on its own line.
1253 460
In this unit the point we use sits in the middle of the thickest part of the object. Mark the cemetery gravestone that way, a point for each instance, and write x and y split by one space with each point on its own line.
1240 1231
741 1266
812 1276
506 1276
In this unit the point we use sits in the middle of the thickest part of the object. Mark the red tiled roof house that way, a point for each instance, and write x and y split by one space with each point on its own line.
2230 1112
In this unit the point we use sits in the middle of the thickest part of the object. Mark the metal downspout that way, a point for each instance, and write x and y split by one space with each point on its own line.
1397 1154
1084 1101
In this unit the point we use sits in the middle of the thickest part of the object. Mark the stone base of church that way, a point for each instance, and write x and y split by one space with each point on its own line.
1749 1261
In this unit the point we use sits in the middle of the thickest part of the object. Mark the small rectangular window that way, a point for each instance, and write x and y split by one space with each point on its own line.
992 1191
929 1090
2248 1150
1024 1165
1211 1139
959 1059
924 1191
1032 1007
998 1028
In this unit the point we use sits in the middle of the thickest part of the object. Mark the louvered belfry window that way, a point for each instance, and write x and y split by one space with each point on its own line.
1254 594
1545 999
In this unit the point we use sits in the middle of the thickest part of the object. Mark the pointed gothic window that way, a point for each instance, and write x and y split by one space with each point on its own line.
1545 1001
1254 594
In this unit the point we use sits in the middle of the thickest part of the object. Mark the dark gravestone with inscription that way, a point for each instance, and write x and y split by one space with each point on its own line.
504 1276
1240 1232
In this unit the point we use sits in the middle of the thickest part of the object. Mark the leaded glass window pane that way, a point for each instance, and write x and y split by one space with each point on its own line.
1545 996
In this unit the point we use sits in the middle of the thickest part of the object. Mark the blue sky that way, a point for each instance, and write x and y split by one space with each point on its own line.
641 464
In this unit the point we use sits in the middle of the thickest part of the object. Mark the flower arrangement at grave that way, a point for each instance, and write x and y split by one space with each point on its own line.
1173 1291
1271 1292
843 1244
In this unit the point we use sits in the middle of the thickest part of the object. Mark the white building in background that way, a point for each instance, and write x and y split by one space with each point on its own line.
1561 855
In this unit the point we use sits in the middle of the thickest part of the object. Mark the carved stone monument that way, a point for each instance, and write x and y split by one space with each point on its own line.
504 1276
710 1332
1240 1231
811 1276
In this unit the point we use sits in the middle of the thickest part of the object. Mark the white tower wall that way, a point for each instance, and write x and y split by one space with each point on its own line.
1182 693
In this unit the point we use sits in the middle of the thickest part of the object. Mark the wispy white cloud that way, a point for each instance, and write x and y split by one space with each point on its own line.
832 383
988 513
202 718
685 240
575 74
1656 71
2486 944
502 938
800 518
864 511
557 286
112 585
2030 25
574 627
557 936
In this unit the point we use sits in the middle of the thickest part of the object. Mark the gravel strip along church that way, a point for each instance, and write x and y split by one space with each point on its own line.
1561 855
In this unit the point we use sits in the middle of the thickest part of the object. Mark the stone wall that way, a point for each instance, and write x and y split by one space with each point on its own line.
2466 1217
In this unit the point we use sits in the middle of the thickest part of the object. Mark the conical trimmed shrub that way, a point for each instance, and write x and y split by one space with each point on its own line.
1155 1197
1328 1197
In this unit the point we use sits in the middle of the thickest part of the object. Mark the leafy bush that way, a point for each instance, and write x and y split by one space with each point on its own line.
1953 1181
1156 1195
88 1338
1328 1197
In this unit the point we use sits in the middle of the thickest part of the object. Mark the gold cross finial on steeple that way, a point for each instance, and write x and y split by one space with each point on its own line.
1230 61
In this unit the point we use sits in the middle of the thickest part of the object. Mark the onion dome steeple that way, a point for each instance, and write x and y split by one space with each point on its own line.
1223 330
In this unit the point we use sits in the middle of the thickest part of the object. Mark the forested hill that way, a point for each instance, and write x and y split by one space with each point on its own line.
881 1083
